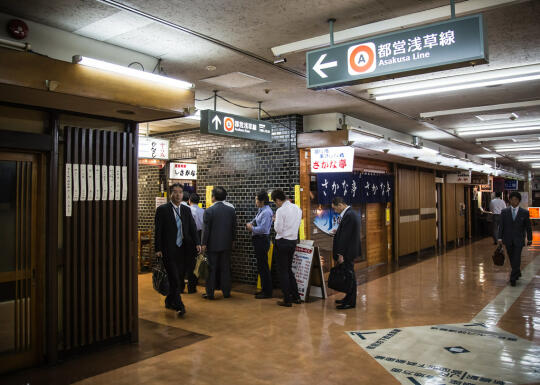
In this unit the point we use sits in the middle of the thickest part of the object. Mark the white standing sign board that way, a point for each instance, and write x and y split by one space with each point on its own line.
152 148
301 268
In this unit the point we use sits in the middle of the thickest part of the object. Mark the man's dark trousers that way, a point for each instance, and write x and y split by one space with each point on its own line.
190 261
261 244
514 254
350 296
174 265
285 252
219 263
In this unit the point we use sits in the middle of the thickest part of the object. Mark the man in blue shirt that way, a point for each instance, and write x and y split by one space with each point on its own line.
260 230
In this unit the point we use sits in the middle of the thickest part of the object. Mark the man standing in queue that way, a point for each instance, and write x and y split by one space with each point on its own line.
346 247
514 225
286 225
174 228
260 231
219 232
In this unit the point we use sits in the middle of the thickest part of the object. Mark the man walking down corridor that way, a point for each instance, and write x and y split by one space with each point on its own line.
515 224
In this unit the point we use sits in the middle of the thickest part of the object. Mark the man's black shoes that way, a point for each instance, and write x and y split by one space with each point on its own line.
513 282
206 296
339 301
344 306
283 303
262 296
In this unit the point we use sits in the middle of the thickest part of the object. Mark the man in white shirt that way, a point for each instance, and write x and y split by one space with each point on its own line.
286 225
496 206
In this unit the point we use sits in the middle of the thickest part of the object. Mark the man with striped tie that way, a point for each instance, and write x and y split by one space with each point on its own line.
174 229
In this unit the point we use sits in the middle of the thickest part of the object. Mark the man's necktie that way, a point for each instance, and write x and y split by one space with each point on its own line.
514 212
179 226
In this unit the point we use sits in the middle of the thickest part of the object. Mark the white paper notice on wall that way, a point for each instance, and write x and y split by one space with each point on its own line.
83 181
90 176
75 180
69 190
111 182
104 179
124 183
97 179
117 180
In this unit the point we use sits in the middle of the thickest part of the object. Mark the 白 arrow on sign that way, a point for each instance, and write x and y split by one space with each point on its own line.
319 66
216 121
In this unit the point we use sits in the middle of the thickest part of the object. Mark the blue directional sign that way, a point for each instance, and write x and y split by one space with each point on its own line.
221 123
449 44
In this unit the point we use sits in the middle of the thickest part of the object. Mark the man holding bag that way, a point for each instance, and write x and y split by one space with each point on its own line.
346 247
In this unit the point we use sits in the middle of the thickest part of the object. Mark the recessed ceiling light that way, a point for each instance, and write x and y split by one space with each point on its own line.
211 68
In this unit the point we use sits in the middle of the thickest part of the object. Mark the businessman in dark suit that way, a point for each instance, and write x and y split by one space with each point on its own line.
174 230
514 225
346 247
219 232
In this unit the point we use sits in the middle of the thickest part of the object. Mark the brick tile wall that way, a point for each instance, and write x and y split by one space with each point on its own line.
243 167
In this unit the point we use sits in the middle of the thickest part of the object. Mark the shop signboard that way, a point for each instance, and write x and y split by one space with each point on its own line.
534 212
487 187
220 123
160 201
511 185
302 266
479 179
153 148
332 159
452 43
462 177
183 171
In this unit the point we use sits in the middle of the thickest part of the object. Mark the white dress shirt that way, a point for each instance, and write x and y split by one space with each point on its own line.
287 223
496 205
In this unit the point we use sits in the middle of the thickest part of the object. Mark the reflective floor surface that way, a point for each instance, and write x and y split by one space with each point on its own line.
450 319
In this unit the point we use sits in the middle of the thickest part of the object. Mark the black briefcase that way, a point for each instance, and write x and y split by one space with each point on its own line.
340 279
160 280
498 256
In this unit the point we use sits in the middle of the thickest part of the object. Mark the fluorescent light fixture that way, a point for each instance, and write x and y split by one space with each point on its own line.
526 123
514 149
401 142
487 149
366 133
195 116
535 165
497 131
459 82
537 159
121 70
492 107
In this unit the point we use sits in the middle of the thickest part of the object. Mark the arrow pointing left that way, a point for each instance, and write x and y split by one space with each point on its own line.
319 66
216 121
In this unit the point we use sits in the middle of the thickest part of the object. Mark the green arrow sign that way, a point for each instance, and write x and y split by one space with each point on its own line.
220 123
448 44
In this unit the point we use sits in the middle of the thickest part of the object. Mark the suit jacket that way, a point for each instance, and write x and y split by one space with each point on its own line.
219 229
514 231
166 230
347 237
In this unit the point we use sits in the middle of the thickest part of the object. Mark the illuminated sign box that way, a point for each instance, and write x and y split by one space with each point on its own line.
452 43
332 159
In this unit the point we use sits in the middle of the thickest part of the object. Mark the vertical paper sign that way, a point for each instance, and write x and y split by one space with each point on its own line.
104 184
124 183
117 183
111 182
75 179
97 179
90 175
301 268
83 181
69 190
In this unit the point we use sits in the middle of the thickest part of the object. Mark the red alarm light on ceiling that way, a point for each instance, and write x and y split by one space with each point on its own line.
17 29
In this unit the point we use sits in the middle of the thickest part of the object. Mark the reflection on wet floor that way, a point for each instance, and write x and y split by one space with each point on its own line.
257 342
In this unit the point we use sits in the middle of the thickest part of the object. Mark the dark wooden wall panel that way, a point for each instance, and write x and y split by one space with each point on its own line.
450 212
409 211
98 265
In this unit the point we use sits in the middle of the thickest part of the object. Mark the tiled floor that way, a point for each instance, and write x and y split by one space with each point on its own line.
256 342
